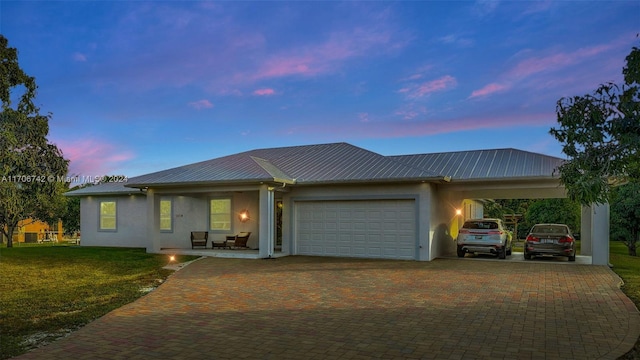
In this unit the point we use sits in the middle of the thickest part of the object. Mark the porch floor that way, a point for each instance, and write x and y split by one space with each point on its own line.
221 253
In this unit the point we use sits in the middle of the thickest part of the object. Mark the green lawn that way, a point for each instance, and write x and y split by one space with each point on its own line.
628 268
49 290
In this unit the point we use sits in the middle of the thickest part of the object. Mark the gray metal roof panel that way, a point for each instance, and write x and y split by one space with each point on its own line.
334 162
485 164
112 188
232 168
342 162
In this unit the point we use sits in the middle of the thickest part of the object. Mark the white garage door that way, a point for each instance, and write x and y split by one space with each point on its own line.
371 228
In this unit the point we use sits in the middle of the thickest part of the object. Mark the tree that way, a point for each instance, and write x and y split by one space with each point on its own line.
600 133
502 207
625 215
554 211
30 166
71 216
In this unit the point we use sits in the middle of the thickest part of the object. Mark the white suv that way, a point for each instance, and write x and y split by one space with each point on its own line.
487 236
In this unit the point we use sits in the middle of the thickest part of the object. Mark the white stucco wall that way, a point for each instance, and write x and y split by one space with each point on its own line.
188 214
444 222
130 220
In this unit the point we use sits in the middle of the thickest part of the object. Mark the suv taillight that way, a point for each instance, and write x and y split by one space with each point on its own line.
495 233
463 231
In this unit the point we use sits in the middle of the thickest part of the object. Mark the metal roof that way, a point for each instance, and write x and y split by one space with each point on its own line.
342 163
307 164
112 188
485 164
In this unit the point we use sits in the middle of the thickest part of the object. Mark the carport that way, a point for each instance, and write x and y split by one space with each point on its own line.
505 174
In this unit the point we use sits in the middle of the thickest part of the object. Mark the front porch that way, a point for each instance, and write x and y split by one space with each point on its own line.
221 253
222 212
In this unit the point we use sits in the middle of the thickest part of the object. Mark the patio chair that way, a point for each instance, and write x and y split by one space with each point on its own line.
199 238
239 240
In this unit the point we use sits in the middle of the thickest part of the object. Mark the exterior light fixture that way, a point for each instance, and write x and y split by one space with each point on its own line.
243 216
458 212
172 258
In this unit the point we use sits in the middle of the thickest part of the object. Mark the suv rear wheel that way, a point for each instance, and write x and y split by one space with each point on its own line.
502 253
460 252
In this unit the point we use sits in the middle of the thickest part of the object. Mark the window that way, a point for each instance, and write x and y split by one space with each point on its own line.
107 215
220 214
166 215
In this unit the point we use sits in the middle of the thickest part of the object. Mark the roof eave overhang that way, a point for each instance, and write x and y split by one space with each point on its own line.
372 181
182 184
507 179
106 193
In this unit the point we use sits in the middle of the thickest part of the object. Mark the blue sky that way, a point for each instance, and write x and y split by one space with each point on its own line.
136 87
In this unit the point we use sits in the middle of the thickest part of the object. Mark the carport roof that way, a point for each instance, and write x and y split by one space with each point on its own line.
342 163
485 164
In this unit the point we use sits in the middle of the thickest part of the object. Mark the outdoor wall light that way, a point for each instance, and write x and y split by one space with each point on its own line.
243 216
458 212
172 258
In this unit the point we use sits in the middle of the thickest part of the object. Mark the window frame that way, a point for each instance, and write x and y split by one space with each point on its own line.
230 215
101 218
170 217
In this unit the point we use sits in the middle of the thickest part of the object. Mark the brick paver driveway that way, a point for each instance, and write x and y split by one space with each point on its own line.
317 308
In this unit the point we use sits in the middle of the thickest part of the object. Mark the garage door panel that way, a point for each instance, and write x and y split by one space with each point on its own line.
371 228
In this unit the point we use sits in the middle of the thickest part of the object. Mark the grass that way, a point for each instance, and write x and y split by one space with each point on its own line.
628 268
49 290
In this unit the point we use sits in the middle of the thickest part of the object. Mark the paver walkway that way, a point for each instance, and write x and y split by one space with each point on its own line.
319 308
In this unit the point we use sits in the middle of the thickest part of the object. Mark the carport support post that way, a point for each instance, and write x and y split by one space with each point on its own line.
585 231
600 234
266 226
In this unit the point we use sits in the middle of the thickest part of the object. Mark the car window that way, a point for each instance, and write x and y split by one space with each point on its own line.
549 229
480 225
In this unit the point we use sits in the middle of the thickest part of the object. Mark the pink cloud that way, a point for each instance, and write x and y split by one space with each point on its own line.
488 89
93 157
201 104
474 123
455 39
414 91
79 57
327 56
554 62
553 70
397 129
410 111
264 92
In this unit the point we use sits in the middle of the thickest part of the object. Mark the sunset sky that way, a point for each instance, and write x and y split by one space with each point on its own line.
135 87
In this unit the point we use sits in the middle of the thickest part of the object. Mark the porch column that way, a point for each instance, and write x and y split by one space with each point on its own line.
151 222
585 231
266 225
600 234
